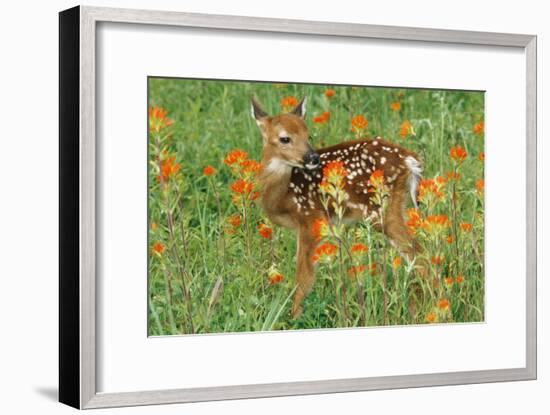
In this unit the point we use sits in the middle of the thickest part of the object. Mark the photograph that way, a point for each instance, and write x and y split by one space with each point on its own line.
281 206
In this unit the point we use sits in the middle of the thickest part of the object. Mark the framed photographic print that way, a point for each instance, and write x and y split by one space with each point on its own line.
323 202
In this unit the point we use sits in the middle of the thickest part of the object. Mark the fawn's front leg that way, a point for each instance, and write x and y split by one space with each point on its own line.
305 274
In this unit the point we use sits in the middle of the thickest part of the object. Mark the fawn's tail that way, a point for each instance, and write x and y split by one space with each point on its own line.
415 168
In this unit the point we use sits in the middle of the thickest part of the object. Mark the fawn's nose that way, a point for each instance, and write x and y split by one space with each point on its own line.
312 160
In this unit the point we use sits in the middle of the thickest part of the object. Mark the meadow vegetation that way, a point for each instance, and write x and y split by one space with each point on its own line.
216 264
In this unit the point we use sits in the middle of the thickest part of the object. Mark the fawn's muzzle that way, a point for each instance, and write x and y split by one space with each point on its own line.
312 160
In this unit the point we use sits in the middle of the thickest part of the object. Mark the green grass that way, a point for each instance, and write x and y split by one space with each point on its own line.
213 278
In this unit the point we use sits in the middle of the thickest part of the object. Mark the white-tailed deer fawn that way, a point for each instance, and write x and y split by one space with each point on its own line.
293 172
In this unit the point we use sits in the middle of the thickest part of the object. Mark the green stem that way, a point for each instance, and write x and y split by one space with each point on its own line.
155 317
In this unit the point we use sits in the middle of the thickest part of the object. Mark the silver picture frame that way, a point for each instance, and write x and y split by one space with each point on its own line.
77 277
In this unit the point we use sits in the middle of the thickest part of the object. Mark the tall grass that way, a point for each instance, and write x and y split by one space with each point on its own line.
217 265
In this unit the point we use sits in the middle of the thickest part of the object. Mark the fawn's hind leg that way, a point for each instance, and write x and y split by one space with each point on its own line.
394 220
397 232
305 274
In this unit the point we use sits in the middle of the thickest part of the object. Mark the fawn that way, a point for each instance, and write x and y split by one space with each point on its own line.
293 172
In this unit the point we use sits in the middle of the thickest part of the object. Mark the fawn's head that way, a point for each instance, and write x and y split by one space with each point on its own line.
285 139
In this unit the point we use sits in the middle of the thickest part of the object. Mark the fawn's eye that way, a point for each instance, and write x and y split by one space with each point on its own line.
284 140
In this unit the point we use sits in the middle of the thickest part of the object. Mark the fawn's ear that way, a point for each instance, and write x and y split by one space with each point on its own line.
260 116
300 109
256 110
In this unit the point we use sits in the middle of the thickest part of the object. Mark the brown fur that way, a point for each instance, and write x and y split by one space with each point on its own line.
291 196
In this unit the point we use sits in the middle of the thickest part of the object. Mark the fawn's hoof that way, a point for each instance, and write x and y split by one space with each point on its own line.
297 312
413 311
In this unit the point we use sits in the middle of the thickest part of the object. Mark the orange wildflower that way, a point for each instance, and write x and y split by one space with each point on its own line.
479 128
431 317
329 93
435 223
414 220
154 226
209 171
168 168
406 129
431 187
242 187
397 261
325 251
275 278
442 220
437 260
443 304
449 280
458 154
480 185
459 279
334 173
373 268
466 227
376 179
251 166
450 239
235 221
320 229
356 270
323 118
265 231
359 122
158 119
158 248
481 156
453 175
359 249
288 102
395 106
235 156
